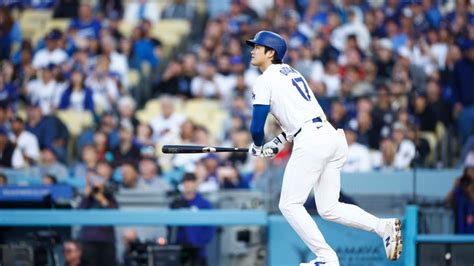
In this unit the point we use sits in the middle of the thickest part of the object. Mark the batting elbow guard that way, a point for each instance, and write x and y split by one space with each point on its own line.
280 139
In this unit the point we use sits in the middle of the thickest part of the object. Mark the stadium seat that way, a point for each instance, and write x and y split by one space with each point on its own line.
207 113
33 21
171 31
153 109
61 24
75 121
126 28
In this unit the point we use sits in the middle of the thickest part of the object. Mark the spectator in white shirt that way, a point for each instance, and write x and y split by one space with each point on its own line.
205 85
45 91
358 156
142 9
406 149
118 62
52 53
105 91
166 126
26 142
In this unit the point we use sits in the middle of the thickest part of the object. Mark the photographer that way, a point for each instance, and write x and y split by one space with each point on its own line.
192 238
98 242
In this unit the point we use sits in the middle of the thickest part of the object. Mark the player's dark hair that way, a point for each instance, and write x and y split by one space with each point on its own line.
274 60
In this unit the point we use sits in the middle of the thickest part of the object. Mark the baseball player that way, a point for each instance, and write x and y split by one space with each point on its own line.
319 152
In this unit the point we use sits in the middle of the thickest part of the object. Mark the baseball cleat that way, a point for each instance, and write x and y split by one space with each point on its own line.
392 239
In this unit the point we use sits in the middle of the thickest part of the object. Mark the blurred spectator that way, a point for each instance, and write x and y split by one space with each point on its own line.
166 125
110 8
149 178
8 92
174 81
447 74
45 91
98 242
118 62
52 53
240 138
397 152
104 88
180 9
146 48
50 165
49 130
421 145
105 172
3 180
368 133
77 96
9 32
72 253
87 163
383 114
436 103
358 156
408 73
230 178
405 148
187 132
330 78
424 114
462 92
49 180
127 150
206 85
9 155
66 8
207 181
142 9
461 198
4 117
25 142
355 27
384 159
85 25
126 108
192 237
144 139
129 177
101 142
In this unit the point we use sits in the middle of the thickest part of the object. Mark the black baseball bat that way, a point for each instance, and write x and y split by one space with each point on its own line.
199 149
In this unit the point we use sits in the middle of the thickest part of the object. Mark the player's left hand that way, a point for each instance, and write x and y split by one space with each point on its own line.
255 150
273 147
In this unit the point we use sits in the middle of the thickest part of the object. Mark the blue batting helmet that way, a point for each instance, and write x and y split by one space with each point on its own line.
270 40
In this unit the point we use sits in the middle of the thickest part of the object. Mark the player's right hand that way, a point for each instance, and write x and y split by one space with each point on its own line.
273 147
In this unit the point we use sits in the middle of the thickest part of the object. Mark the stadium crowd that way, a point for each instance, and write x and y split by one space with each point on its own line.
394 74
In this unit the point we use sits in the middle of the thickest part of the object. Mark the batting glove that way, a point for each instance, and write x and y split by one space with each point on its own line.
273 147
255 150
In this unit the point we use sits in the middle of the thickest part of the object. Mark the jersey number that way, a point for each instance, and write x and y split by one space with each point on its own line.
305 94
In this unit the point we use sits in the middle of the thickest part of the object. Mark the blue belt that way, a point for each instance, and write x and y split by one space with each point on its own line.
314 120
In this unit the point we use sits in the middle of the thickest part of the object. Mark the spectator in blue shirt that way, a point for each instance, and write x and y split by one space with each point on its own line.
49 130
86 25
77 97
9 32
192 237
463 93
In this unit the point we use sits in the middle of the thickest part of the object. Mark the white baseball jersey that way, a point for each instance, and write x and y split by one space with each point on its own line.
291 100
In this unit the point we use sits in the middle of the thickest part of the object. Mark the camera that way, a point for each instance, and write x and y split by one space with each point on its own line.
95 190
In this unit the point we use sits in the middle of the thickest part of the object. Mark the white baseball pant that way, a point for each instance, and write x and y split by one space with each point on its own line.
315 163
